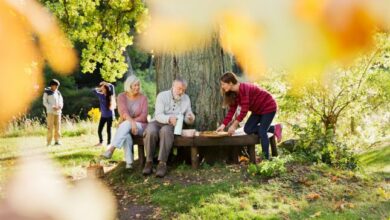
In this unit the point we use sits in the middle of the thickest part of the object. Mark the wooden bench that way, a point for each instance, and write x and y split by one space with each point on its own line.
195 142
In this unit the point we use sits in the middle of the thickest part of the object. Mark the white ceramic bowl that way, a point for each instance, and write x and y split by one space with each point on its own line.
188 132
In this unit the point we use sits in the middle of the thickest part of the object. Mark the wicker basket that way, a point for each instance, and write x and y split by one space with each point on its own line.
95 170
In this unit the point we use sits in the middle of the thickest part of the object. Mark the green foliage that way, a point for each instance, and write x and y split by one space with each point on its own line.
319 145
352 101
139 59
104 29
270 168
148 88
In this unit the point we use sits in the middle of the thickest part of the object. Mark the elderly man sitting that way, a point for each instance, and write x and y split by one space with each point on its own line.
169 105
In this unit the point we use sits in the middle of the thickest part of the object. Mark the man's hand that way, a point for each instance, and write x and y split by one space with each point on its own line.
172 120
220 128
55 108
190 116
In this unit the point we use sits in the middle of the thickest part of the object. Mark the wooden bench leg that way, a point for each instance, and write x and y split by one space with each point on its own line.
141 155
194 157
252 153
236 150
274 150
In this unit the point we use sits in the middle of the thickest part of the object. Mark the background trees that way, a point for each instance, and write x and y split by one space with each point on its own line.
102 30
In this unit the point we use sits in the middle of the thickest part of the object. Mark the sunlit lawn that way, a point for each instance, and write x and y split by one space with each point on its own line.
225 191
72 157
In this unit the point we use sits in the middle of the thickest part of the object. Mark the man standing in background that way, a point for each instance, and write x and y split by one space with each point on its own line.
53 102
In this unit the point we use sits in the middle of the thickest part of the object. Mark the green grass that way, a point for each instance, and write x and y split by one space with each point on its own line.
72 157
227 191
33 127
377 161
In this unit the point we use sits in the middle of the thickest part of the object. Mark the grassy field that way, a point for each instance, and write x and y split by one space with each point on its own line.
224 191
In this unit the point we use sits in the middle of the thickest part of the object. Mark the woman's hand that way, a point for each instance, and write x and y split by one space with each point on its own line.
231 130
134 129
220 128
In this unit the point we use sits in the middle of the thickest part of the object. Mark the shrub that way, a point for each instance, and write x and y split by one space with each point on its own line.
270 168
317 145
94 114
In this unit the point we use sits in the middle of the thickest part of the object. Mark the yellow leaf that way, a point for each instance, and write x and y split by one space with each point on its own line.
315 215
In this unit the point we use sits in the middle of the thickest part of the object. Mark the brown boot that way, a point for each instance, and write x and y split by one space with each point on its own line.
148 168
161 169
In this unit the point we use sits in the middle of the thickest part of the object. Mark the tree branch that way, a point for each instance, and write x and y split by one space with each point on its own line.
354 96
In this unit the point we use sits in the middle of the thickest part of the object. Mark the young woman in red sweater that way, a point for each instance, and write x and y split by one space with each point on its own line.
251 98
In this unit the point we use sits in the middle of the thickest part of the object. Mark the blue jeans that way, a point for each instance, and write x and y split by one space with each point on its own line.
123 138
260 125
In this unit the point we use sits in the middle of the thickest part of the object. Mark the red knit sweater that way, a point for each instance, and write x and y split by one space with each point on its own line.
251 98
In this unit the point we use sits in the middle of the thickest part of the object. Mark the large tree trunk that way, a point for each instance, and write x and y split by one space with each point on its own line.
201 69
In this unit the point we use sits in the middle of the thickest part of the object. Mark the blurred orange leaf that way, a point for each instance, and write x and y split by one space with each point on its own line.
313 196
29 35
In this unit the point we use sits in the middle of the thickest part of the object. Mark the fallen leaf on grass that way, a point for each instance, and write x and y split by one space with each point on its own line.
305 181
341 205
334 178
244 159
315 215
382 193
313 196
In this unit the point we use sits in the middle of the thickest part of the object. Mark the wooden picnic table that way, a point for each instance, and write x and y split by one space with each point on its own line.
200 141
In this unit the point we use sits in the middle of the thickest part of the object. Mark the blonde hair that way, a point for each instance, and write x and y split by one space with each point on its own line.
130 81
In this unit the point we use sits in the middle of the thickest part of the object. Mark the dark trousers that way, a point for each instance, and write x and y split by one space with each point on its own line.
104 120
260 125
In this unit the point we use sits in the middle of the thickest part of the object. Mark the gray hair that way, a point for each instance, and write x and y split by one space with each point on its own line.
130 81
180 80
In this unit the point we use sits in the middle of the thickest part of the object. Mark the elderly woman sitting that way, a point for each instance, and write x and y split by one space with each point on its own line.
133 111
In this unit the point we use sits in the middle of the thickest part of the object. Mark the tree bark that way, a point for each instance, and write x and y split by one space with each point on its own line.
202 69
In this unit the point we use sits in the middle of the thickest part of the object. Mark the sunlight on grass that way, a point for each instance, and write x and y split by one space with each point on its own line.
377 161
250 202
73 156
224 191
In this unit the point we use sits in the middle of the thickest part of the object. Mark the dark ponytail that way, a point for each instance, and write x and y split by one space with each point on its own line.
108 96
229 98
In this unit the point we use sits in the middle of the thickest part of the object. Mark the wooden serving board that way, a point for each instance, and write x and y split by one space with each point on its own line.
213 134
